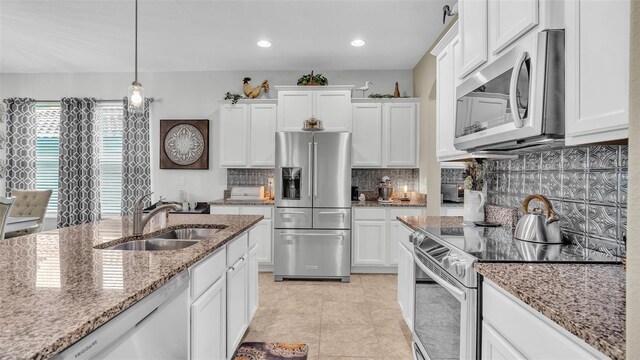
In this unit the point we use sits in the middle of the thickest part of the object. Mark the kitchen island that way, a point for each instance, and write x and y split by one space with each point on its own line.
55 287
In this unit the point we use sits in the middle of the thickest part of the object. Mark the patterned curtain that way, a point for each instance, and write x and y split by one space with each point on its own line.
20 117
79 169
136 163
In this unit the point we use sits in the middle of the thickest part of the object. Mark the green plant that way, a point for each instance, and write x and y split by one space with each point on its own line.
311 79
233 97
473 175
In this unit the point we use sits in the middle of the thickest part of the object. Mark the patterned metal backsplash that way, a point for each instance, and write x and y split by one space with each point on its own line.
369 179
586 185
451 176
365 179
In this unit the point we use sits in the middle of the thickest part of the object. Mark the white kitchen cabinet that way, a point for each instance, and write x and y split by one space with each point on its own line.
247 135
452 210
508 20
237 301
406 289
597 77
329 104
369 242
208 323
473 30
385 134
401 126
366 138
263 230
376 233
252 282
447 53
514 330
233 135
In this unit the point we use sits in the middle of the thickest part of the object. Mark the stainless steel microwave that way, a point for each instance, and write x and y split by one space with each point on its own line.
516 102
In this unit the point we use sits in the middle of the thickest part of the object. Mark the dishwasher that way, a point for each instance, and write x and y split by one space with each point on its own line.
154 328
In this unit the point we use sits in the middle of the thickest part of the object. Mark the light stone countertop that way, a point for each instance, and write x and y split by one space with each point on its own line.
53 290
227 202
395 203
586 299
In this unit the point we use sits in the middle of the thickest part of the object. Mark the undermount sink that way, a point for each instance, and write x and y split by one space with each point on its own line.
170 240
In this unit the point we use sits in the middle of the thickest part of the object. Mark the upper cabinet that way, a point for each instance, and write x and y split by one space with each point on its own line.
447 53
473 28
247 134
597 76
508 20
329 104
385 134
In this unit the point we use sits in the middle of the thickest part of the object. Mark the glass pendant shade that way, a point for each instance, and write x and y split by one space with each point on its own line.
136 98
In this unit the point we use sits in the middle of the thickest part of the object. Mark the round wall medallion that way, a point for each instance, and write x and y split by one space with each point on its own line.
184 144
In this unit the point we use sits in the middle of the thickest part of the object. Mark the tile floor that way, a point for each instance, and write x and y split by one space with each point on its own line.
358 320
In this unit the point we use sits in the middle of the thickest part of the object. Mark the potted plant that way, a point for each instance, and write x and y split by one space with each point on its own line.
474 199
311 80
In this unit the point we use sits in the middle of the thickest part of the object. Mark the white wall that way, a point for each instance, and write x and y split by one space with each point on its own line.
185 95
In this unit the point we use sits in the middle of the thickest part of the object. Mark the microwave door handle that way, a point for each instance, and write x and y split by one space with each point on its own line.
457 293
310 185
513 90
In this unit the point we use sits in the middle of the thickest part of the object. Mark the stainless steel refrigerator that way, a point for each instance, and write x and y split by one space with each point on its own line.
313 205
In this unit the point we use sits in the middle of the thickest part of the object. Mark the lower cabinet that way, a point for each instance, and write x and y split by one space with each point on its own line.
252 282
406 289
376 232
237 300
512 329
208 323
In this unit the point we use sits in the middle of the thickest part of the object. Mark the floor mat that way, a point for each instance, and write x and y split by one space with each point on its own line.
271 351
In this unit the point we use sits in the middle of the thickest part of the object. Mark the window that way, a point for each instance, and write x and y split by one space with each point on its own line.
109 117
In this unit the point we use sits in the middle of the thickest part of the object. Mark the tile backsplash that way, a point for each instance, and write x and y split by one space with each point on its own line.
451 176
249 177
369 179
587 187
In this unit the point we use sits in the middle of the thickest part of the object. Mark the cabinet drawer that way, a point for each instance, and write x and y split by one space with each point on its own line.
293 218
369 214
207 271
224 210
332 218
393 213
257 210
237 248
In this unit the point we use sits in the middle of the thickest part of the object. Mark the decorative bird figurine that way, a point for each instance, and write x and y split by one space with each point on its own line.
254 92
365 87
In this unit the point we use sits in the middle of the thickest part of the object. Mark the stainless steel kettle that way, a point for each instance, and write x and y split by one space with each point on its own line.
538 227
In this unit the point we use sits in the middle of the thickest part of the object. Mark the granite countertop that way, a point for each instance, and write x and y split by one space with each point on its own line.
416 222
395 203
55 287
266 202
451 205
586 299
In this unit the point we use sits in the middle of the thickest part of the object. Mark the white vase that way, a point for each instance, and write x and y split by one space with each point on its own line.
473 206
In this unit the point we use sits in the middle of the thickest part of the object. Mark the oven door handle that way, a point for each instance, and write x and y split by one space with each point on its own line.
457 293
513 90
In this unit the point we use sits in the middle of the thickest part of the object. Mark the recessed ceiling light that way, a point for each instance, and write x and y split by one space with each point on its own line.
264 43
357 43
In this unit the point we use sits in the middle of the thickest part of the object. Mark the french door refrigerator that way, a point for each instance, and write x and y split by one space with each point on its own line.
312 225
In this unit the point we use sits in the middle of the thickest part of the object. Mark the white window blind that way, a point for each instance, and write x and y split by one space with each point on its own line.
109 118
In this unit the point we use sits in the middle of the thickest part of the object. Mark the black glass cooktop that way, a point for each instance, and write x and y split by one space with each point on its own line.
498 245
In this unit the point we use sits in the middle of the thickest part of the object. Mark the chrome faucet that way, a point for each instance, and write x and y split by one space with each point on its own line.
140 220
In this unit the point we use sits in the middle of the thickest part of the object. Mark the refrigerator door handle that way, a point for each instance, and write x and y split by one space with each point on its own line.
315 169
310 185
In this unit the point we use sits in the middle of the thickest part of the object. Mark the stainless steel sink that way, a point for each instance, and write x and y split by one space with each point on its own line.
188 234
170 240
153 244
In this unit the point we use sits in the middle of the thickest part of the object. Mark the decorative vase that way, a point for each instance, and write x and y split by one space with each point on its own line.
473 206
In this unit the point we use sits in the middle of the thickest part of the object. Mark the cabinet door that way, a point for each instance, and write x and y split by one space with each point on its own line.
401 127
233 135
406 284
252 283
294 107
597 77
208 328
445 109
369 242
262 127
224 210
265 242
333 108
473 32
496 347
236 304
508 20
367 135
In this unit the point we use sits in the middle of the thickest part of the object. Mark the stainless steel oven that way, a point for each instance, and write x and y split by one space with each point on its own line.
445 308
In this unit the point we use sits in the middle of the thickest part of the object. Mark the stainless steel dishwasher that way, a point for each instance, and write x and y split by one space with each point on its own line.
154 328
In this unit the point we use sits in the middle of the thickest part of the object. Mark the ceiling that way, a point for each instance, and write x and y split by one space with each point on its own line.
188 35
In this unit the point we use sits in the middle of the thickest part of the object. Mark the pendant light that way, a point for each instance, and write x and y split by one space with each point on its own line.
136 92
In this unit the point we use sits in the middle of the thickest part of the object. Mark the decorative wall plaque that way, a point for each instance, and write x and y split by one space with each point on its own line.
184 144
